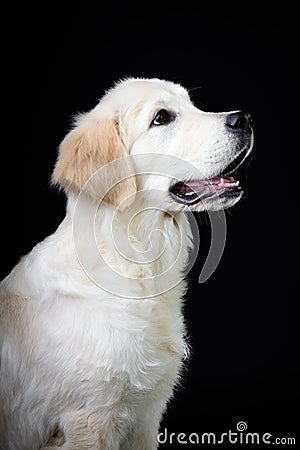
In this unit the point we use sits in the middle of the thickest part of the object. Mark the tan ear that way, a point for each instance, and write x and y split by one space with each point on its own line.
91 145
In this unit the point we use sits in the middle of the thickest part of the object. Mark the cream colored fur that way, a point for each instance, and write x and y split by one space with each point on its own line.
91 364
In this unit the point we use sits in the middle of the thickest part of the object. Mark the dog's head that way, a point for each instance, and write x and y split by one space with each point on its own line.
149 137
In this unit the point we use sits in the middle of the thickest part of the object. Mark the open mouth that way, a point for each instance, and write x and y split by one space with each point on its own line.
222 186
191 192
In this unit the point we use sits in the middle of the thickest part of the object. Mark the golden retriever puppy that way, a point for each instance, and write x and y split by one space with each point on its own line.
92 333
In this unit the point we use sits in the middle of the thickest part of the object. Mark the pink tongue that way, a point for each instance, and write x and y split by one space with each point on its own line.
216 182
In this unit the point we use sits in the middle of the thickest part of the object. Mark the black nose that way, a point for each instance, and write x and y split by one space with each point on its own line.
238 121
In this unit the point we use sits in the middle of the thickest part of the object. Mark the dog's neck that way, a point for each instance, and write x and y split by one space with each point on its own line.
148 245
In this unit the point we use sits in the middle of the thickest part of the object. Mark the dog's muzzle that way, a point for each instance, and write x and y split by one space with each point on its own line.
223 186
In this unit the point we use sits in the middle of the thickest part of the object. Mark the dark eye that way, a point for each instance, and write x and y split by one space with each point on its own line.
162 117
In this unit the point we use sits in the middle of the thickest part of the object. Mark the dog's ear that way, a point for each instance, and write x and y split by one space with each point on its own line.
93 144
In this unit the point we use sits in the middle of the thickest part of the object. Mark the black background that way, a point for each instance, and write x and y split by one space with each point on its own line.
241 322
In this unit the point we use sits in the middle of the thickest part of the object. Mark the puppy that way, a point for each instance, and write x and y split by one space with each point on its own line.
92 333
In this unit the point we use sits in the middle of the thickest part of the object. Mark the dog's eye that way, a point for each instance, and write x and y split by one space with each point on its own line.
162 117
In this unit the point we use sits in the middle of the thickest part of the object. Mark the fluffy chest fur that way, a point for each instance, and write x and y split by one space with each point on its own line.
88 346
